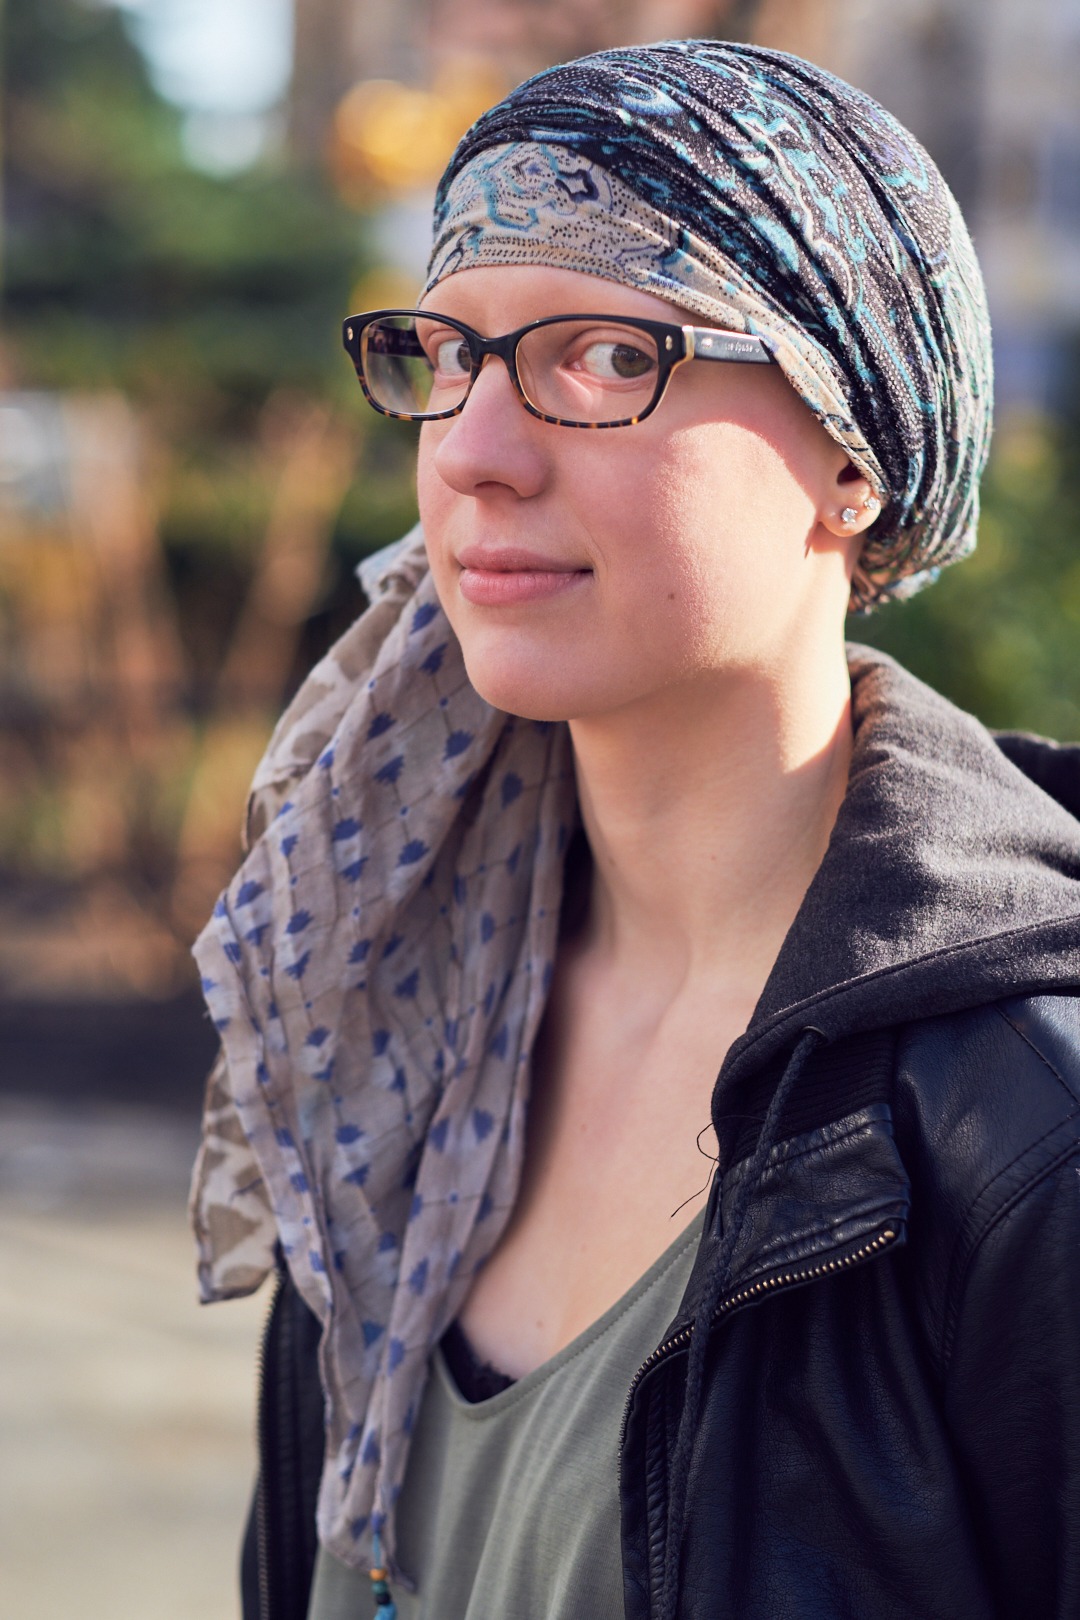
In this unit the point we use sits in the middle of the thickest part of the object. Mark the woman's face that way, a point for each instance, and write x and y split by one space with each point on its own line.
585 571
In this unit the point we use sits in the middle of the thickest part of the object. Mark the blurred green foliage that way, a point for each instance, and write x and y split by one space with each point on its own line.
128 268
199 297
1000 632
125 266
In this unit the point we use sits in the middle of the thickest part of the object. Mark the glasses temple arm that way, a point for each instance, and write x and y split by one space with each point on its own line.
705 343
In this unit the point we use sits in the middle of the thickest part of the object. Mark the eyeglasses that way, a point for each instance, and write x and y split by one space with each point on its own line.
584 371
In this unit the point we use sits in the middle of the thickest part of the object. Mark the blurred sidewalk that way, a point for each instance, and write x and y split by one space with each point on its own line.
126 1409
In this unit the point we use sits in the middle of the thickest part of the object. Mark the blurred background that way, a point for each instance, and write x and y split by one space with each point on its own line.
194 192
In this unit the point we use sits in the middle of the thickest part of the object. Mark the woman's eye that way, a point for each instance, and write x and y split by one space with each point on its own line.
622 361
450 357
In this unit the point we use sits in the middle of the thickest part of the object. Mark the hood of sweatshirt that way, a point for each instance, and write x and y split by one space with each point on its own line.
951 879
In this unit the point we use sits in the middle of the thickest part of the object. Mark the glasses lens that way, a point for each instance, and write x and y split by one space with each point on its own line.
588 371
415 366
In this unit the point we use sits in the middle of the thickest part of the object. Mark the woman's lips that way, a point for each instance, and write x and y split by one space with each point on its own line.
511 575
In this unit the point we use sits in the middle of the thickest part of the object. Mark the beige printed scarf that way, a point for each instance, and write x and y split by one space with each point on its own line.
377 970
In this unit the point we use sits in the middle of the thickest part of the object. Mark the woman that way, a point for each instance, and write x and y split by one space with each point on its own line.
590 805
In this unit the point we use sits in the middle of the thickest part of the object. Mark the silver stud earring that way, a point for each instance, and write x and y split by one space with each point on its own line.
872 505
848 515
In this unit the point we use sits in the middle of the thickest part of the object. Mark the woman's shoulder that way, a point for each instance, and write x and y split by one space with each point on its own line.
978 1090
986 1112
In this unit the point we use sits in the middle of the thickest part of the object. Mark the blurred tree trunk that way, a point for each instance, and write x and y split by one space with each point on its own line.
337 43
140 655
311 454
804 27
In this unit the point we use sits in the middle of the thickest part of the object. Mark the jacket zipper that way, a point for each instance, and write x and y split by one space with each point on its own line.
745 1296
765 1285
787 1279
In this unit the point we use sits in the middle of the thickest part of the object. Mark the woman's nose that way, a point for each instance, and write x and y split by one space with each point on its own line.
494 440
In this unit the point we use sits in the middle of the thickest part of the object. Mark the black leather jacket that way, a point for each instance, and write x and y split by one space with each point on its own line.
891 1417
887 1422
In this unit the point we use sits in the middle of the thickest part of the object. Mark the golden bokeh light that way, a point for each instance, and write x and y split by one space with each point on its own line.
390 138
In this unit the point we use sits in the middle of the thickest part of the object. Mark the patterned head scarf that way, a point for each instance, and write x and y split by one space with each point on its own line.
769 197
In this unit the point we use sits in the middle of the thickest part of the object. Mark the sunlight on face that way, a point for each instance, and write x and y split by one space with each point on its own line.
586 570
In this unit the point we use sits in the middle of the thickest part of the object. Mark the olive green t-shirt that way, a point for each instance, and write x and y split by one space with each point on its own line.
510 1507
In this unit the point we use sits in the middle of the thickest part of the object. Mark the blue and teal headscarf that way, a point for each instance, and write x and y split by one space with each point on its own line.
766 195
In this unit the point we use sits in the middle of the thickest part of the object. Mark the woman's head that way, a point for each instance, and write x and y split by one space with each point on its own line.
587 571
763 195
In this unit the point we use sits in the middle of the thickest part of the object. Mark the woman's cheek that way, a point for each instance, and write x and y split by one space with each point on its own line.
434 504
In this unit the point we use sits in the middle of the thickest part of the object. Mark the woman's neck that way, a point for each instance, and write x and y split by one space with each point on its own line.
708 814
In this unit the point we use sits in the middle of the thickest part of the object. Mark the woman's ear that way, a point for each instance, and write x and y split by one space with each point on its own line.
852 504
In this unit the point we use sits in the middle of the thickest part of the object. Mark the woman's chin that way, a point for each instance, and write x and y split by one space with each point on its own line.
528 700
533 692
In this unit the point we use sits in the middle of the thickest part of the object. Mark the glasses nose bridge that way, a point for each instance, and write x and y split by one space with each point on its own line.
503 348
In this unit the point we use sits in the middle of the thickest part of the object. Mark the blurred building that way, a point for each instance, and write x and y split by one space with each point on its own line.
992 87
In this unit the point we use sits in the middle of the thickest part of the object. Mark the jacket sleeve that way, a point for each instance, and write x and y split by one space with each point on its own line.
1013 1382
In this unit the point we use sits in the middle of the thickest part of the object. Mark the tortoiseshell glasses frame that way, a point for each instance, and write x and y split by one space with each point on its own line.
383 340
